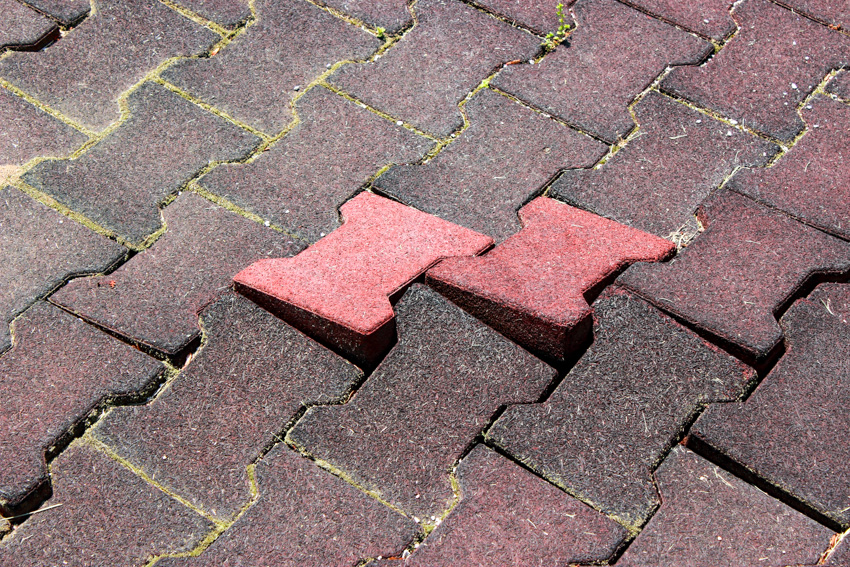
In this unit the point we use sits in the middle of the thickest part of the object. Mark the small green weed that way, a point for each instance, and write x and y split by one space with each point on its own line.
553 40
382 33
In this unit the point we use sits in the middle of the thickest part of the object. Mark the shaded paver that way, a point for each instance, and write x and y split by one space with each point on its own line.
710 18
614 54
154 299
66 11
507 153
430 71
228 13
423 406
841 554
392 15
532 288
22 26
657 181
834 14
840 85
541 16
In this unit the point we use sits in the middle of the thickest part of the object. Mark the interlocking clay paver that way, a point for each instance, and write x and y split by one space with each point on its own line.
254 77
154 299
83 75
423 406
614 54
104 515
305 517
614 416
67 12
301 181
750 260
834 14
766 70
840 85
782 433
423 78
22 26
657 181
392 15
710 18
480 180
228 13
58 370
250 378
339 289
709 517
532 288
541 16
119 182
840 555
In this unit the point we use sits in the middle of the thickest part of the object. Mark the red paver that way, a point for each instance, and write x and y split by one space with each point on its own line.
301 181
840 85
763 73
614 416
710 18
83 75
339 289
540 16
533 287
751 260
22 26
154 299
783 432
614 54
120 182
657 181
228 13
254 77
423 78
305 517
58 371
833 13
709 518
480 180
67 12
106 515
423 406
809 182
252 375
392 15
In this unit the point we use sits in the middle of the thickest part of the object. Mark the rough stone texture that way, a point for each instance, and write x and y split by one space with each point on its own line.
541 16
254 78
155 298
834 14
763 73
67 12
750 261
615 415
120 181
424 404
339 290
809 182
533 287
710 18
301 181
430 71
83 75
58 371
507 153
392 15
840 85
657 181
840 556
39 250
782 432
614 54
710 518
238 393
108 516
228 13
305 517
21 26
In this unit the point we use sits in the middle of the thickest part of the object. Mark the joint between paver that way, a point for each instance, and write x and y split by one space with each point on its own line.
717 43
45 108
380 33
510 21
796 11
210 25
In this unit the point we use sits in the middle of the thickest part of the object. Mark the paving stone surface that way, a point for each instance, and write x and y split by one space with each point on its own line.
615 53
541 16
22 26
710 18
834 14
154 299
762 75
120 182
658 180
452 48
840 85
423 406
507 153
57 372
228 13
533 288
841 555
67 12
392 15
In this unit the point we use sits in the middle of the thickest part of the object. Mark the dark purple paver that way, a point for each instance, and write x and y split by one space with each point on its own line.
614 54
741 271
155 298
840 85
532 288
657 181
710 18
119 182
83 75
254 77
541 16
709 518
22 26
507 153
106 515
67 12
249 379
763 73
392 15
228 13
424 404
423 78
835 14
57 372
840 555
301 181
